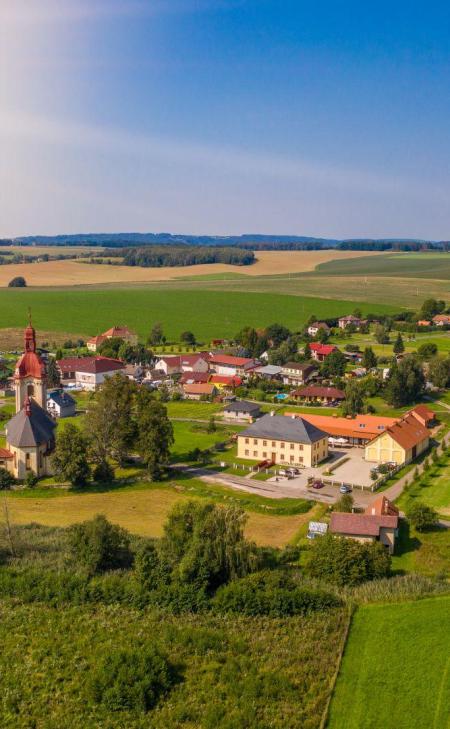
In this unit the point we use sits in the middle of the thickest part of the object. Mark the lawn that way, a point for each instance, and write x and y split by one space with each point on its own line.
432 488
234 671
208 314
396 668
192 409
405 265
190 435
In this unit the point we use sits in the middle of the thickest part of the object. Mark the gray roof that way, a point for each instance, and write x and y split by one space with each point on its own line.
269 370
25 430
61 398
242 406
282 427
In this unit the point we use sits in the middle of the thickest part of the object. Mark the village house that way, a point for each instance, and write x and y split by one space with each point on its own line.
229 365
320 352
60 404
268 372
134 372
115 332
358 430
242 411
424 415
319 394
283 441
298 373
199 391
346 321
88 373
177 364
366 527
424 323
189 378
441 320
401 443
314 328
225 383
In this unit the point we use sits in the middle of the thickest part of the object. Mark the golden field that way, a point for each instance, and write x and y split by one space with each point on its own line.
141 512
76 273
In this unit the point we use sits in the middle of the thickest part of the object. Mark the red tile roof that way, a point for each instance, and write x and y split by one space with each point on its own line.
323 349
408 432
118 332
423 414
194 377
317 391
381 506
361 426
230 380
364 525
90 365
228 359
4 453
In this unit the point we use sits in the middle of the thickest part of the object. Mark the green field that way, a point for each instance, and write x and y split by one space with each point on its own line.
409 265
432 488
233 672
208 314
396 668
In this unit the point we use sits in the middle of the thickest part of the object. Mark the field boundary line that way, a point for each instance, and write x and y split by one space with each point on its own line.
326 711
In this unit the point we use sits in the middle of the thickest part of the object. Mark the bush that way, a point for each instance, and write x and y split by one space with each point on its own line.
345 503
421 516
18 282
98 545
131 680
31 480
6 479
274 594
346 562
103 472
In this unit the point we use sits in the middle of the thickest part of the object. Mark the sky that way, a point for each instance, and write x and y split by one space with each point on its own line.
225 117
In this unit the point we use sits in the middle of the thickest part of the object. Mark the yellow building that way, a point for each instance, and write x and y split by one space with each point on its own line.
401 443
284 441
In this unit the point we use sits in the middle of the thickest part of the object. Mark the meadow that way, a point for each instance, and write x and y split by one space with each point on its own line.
432 488
265 672
395 669
409 265
208 314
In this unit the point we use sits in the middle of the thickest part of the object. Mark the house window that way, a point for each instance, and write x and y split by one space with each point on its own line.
264 455
292 446
301 459
273 444
247 440
255 441
292 459
247 453
300 447
264 442
282 445
255 454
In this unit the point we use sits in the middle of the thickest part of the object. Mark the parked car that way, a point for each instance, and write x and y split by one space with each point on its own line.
285 472
293 471
317 484
344 489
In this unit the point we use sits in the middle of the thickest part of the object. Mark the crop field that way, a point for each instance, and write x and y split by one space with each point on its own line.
234 671
144 510
396 668
208 314
409 265
75 273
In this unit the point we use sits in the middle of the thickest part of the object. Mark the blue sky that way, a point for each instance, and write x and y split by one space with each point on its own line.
225 116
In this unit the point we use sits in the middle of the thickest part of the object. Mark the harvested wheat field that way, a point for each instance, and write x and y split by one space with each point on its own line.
76 273
141 512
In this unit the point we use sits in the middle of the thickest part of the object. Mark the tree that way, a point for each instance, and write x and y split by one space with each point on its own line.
381 335
111 347
188 338
406 382
369 359
154 433
422 516
334 365
399 347
69 459
345 504
110 425
430 308
307 351
18 282
156 335
277 333
439 372
427 350
98 546
212 427
205 544
344 561
322 335
354 398
53 376
6 479
248 338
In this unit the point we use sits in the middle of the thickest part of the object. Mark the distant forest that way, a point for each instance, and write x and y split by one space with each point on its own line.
156 256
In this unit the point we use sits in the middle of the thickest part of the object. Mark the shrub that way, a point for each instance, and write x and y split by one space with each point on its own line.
103 472
6 479
421 516
346 562
274 594
18 282
98 545
31 480
131 680
345 503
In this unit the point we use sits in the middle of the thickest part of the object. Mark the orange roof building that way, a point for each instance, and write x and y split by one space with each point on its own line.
358 430
401 443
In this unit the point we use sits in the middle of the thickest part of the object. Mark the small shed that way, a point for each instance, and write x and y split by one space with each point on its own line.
316 529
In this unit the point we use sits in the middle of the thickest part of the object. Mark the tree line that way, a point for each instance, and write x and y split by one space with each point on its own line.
157 256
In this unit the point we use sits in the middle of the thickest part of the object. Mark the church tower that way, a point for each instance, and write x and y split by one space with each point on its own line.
29 376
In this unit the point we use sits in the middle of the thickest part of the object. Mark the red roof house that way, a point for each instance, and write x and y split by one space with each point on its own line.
320 351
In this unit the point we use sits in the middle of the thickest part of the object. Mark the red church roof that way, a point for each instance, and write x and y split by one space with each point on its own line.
30 364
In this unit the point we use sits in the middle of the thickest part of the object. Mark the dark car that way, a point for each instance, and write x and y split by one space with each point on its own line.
317 484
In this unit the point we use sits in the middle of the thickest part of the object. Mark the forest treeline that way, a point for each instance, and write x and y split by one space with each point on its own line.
154 256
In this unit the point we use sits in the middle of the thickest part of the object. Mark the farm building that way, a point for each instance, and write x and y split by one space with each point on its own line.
227 364
177 364
318 394
60 404
242 411
298 373
441 320
199 390
88 373
346 321
424 415
366 527
357 431
268 372
115 332
401 443
284 441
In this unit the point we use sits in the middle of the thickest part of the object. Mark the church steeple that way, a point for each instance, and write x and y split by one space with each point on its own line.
30 376
30 335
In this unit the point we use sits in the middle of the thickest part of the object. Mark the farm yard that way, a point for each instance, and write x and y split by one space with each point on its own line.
395 669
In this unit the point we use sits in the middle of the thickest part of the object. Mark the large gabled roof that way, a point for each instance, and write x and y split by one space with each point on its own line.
31 426
364 525
278 427
90 365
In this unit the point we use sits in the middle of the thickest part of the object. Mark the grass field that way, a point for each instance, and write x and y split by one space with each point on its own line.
432 488
236 672
208 314
396 668
74 273
402 265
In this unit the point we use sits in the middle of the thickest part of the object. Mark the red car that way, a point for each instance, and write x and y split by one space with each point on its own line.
317 484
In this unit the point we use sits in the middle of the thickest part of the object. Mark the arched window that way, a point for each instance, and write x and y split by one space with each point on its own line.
30 390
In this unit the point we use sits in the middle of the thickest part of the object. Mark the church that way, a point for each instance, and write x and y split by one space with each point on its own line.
30 434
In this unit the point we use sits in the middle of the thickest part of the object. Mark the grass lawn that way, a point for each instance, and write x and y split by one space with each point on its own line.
90 311
189 435
192 409
396 668
427 553
433 488
236 671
